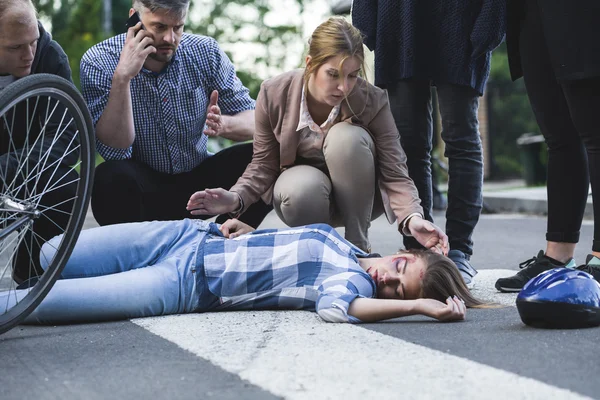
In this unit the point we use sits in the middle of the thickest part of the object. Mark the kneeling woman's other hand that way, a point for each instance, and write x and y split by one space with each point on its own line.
429 235
233 228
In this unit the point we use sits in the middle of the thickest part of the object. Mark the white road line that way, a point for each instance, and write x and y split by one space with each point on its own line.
294 355
297 356
484 287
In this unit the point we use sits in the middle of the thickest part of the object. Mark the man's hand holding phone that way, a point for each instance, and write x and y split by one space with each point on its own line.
138 46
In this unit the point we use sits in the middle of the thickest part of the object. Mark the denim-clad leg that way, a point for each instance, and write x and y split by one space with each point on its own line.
125 271
410 103
460 132
111 249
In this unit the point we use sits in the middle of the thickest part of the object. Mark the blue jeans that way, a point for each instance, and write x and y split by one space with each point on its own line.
410 102
125 271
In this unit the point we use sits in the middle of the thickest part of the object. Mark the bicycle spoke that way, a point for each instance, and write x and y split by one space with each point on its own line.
54 222
12 152
29 247
54 164
13 216
53 208
3 173
44 157
34 112
58 134
57 181
13 148
38 197
19 157
35 144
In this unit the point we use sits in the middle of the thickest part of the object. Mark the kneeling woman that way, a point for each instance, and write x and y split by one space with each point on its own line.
326 149
172 267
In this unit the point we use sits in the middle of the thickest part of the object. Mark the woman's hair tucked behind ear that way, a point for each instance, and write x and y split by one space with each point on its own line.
442 280
334 37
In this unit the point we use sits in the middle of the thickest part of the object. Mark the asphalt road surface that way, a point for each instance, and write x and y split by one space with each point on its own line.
294 355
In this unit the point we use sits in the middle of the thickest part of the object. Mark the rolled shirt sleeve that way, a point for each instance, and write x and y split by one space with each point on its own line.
338 291
234 97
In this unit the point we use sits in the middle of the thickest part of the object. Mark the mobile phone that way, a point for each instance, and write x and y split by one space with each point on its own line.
133 20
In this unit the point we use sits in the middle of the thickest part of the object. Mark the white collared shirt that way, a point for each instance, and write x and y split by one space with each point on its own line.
312 136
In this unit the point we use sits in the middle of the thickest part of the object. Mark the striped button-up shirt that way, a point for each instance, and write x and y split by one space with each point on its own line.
311 268
169 108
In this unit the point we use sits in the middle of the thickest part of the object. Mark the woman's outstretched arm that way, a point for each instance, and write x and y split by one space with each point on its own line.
373 310
346 297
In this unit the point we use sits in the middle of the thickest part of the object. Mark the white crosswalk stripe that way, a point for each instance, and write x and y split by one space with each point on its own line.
297 356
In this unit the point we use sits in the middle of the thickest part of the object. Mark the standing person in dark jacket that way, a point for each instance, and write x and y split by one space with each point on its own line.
26 48
554 46
448 44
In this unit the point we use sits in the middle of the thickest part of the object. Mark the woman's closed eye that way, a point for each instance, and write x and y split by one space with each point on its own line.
401 267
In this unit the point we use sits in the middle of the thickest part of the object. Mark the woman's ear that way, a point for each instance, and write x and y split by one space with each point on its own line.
308 60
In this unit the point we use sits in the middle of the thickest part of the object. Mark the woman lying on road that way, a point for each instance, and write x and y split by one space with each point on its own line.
171 267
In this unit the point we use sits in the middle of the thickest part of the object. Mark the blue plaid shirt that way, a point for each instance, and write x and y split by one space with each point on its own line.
310 268
169 108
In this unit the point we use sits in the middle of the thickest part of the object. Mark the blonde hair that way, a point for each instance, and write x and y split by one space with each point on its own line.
442 280
333 38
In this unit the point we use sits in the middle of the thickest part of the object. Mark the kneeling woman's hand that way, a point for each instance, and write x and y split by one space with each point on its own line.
233 228
428 234
453 310
213 202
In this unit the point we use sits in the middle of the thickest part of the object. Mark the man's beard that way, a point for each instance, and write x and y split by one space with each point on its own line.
163 57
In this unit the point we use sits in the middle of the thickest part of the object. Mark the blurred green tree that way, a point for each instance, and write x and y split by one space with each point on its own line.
510 116
77 25
249 24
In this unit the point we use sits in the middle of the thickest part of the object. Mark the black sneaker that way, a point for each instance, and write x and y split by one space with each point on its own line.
529 269
592 266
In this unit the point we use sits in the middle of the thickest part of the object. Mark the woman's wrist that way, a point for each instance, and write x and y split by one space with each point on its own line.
238 205
405 230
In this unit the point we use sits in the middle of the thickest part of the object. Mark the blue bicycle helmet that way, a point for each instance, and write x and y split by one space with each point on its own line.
560 298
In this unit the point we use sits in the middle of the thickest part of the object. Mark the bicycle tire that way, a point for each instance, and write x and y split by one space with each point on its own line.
49 88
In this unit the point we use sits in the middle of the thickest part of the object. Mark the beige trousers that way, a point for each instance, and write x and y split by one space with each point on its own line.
349 197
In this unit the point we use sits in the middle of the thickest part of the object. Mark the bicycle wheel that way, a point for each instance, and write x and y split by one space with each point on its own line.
47 159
